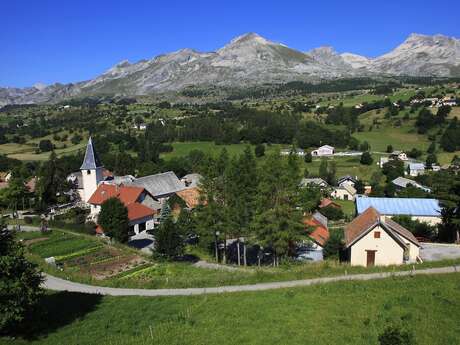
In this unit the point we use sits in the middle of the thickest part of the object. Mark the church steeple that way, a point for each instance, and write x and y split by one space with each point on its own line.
91 171
91 160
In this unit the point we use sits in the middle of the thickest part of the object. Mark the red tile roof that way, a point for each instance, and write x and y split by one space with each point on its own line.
361 224
366 220
320 233
328 202
126 194
138 211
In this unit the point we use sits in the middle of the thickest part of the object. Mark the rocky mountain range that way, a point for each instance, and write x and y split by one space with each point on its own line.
250 60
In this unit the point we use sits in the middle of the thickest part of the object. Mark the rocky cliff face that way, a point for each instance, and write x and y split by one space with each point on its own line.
251 59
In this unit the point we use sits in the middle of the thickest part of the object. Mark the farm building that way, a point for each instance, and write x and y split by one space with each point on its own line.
324 150
402 182
375 240
424 210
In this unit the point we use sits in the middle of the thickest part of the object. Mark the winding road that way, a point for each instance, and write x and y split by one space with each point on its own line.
58 284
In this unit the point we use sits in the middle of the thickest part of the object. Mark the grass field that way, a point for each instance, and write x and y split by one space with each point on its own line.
183 148
338 313
348 207
346 166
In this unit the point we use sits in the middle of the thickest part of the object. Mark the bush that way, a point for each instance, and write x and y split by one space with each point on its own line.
334 244
45 145
394 335
90 228
259 150
366 158
332 213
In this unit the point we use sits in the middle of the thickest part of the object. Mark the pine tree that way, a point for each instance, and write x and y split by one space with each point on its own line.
20 283
169 239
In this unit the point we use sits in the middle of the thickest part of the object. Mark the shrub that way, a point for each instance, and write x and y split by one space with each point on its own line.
332 213
394 335
90 228
334 244
259 150
366 158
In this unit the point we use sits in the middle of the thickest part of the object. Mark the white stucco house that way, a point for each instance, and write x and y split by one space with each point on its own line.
416 169
375 240
347 180
346 192
325 150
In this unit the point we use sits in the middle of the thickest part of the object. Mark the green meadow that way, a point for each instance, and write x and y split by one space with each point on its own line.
355 313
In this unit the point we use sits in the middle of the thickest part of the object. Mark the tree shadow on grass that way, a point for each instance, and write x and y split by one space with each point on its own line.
57 310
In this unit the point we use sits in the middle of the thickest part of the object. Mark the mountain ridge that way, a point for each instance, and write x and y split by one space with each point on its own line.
251 59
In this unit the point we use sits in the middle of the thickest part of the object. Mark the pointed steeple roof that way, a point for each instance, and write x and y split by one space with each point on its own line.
91 160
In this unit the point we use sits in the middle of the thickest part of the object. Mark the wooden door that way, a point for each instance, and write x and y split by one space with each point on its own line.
370 257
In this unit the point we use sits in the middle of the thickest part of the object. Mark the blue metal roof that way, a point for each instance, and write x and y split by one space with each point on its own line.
91 160
400 206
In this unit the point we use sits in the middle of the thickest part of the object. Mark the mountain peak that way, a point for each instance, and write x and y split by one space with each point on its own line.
249 37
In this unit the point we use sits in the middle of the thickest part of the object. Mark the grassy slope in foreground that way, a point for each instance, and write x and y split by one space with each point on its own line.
338 313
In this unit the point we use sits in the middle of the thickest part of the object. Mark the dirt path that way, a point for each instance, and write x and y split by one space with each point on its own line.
54 283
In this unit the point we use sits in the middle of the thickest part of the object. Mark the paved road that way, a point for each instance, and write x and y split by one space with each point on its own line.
53 283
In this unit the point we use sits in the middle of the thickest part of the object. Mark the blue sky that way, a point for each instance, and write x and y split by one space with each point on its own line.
64 41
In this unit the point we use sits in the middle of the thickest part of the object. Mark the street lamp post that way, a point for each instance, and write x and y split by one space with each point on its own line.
216 233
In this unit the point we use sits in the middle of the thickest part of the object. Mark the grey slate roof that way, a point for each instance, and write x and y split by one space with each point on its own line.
405 182
159 185
315 180
91 160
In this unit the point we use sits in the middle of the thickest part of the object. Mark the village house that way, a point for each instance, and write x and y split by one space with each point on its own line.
5 177
375 240
345 192
401 155
312 250
416 169
402 183
347 180
142 206
315 181
424 210
324 150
